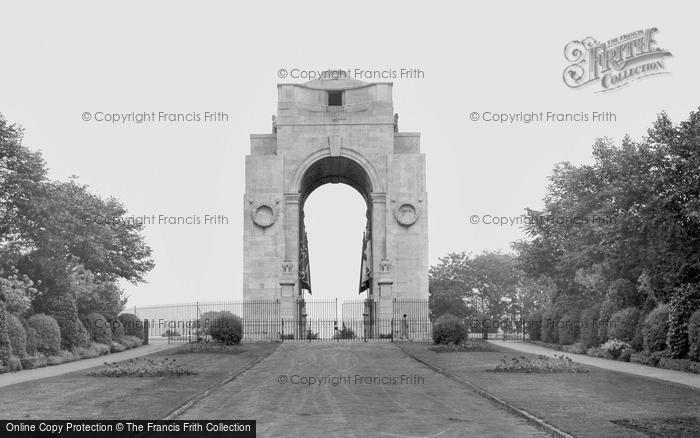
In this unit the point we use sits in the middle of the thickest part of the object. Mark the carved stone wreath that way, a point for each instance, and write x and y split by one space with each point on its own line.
264 213
405 212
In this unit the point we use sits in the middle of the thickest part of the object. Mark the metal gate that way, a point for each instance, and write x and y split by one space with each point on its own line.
360 320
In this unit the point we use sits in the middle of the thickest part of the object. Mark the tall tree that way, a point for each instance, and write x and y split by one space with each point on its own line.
47 228
22 178
632 215
488 283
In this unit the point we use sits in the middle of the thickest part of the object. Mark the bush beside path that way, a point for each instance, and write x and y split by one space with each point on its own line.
679 377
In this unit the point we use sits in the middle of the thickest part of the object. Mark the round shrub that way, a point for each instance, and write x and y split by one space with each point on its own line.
684 302
623 324
73 333
227 328
590 327
694 336
620 294
615 347
205 321
17 334
132 325
604 314
550 321
48 333
117 329
568 329
625 355
98 328
637 342
17 292
655 329
534 324
449 329
5 349
31 338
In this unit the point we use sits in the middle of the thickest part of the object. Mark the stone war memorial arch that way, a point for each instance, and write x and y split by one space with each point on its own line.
336 130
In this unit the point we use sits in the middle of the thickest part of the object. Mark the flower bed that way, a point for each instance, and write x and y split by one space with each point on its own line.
144 367
657 359
542 364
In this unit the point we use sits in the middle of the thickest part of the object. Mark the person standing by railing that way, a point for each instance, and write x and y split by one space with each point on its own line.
404 327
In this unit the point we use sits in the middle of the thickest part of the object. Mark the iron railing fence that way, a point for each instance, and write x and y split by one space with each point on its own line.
312 330
508 328
317 309
387 330
253 331
412 309
263 321
357 309
315 330
185 317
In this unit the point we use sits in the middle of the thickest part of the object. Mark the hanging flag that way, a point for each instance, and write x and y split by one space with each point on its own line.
366 265
304 268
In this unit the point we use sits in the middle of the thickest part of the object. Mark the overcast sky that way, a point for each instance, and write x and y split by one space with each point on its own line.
61 59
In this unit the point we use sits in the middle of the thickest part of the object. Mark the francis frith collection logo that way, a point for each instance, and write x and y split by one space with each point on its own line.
616 62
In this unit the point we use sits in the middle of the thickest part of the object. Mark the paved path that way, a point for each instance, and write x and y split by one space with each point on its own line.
7 379
427 404
681 377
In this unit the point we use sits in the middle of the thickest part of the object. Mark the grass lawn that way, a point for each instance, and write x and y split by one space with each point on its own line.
81 396
584 404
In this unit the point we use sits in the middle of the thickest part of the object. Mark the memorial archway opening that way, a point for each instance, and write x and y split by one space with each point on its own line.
335 131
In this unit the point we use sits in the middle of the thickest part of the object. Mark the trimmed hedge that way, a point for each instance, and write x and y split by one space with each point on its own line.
694 336
655 329
550 321
449 329
48 333
535 325
568 329
205 321
31 339
685 301
5 349
98 328
620 295
590 327
117 329
227 328
623 324
65 311
638 339
132 325
17 334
